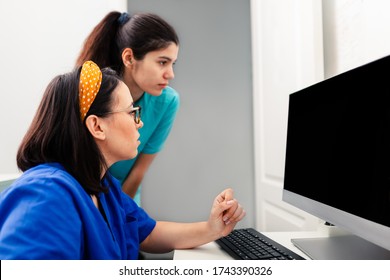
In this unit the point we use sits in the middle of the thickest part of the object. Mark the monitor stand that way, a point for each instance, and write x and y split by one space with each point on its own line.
343 247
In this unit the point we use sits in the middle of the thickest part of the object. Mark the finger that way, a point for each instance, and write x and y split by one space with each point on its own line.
242 215
229 213
225 195
228 194
238 214
239 218
224 206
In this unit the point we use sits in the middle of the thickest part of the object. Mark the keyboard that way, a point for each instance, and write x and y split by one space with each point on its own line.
249 244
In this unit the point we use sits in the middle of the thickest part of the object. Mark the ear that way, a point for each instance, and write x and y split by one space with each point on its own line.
96 127
127 57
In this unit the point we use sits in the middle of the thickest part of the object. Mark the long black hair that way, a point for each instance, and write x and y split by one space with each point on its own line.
57 133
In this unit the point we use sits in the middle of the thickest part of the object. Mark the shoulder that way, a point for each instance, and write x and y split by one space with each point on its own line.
170 93
168 97
49 181
171 98
53 172
43 191
42 203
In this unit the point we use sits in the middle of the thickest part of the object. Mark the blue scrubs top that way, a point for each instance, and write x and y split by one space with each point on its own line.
46 214
158 115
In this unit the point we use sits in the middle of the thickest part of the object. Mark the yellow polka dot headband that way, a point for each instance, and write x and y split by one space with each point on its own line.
90 81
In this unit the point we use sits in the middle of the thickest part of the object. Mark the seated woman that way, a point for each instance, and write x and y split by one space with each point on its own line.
66 205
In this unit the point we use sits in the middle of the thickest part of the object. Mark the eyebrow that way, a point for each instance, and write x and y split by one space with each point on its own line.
167 58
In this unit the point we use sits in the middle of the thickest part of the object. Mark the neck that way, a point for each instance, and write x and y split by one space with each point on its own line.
135 90
136 94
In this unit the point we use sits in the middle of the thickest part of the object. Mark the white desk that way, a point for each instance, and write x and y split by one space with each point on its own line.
211 251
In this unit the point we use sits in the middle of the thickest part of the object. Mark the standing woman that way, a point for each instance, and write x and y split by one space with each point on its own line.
143 49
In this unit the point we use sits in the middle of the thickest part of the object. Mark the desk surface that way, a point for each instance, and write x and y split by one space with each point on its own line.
211 251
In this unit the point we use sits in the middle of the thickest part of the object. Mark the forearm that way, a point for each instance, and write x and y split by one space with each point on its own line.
137 173
167 236
131 183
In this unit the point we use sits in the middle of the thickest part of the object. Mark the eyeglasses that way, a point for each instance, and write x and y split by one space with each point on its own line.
135 112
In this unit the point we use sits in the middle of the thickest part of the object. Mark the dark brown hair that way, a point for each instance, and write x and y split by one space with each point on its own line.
57 133
142 33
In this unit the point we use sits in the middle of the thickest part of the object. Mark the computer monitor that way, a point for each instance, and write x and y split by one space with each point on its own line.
338 159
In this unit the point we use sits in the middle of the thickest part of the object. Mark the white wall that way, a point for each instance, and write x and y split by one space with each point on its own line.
38 40
355 33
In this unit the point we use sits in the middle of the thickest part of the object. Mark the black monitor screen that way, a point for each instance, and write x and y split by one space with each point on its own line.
338 142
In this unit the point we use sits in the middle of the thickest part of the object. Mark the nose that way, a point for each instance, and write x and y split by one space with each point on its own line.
139 125
169 74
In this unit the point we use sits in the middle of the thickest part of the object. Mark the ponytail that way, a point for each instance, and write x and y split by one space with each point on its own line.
100 46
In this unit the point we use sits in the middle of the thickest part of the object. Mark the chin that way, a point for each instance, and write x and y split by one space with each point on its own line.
134 154
131 155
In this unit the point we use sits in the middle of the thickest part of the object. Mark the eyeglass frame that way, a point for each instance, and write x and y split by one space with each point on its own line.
136 112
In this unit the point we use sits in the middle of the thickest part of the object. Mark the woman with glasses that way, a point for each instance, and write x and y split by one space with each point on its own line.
142 49
66 205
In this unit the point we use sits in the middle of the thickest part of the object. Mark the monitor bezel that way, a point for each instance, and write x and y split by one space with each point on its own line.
369 230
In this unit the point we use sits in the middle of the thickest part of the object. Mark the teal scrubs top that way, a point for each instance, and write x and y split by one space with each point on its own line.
158 115
46 214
